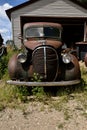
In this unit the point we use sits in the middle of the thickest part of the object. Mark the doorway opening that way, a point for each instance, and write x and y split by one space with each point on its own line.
72 34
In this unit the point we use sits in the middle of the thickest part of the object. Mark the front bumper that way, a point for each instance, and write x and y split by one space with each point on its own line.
60 83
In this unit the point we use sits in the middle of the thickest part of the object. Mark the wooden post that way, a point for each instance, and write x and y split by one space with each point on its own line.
85 32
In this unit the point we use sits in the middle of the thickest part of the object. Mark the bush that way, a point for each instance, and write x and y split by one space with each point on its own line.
3 65
4 62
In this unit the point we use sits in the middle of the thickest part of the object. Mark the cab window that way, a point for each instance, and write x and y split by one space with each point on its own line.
46 32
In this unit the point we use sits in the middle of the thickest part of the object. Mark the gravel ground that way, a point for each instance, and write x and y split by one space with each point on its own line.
70 115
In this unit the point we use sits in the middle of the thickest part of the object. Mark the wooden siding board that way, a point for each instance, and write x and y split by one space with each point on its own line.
55 8
16 30
59 11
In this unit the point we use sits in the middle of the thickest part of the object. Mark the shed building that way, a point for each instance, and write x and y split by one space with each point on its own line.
70 13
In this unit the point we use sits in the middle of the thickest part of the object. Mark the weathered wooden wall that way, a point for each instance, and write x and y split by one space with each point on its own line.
50 8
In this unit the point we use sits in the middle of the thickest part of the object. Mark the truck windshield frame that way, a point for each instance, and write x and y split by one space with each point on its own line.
45 32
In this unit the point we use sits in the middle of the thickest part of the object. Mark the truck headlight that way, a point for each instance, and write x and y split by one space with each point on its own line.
21 57
66 58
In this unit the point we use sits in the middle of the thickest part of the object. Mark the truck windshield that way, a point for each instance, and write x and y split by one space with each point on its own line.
48 32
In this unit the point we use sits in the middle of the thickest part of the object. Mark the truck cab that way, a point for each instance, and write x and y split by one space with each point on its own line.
44 54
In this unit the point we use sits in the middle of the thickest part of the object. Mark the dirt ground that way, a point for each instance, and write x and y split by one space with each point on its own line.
55 114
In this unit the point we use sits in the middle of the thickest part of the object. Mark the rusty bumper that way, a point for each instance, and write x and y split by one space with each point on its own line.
60 83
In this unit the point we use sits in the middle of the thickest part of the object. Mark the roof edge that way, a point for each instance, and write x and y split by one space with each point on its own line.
84 5
8 11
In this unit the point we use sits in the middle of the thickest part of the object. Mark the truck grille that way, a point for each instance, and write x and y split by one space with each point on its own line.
45 62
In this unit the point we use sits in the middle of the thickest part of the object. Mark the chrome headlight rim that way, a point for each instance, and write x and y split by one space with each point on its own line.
22 57
66 58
